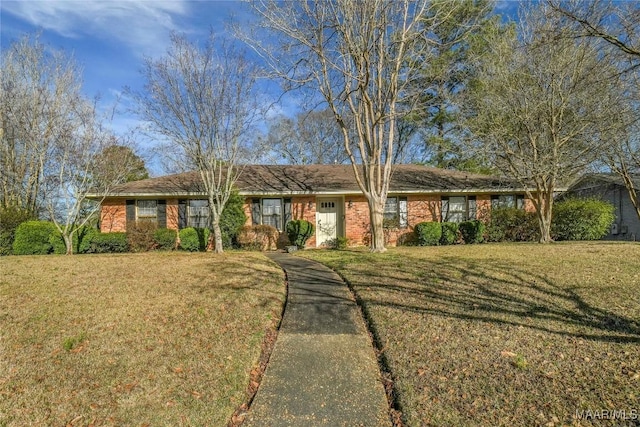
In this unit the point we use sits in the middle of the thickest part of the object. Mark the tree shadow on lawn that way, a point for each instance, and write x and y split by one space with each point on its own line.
493 292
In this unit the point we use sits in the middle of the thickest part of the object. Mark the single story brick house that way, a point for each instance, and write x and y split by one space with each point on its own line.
326 195
611 188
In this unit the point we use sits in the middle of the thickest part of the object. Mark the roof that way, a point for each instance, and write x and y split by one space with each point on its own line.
600 179
321 179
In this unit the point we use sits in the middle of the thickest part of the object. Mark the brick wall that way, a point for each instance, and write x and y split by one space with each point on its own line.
113 216
172 214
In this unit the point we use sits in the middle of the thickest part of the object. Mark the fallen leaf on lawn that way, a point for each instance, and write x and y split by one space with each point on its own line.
505 353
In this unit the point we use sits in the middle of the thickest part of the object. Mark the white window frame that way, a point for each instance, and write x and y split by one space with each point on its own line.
144 212
396 211
192 212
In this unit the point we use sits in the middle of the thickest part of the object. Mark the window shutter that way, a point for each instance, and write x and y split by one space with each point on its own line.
287 212
403 213
131 212
472 207
255 211
182 214
162 214
444 209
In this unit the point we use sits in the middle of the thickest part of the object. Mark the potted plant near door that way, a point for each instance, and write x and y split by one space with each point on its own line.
299 231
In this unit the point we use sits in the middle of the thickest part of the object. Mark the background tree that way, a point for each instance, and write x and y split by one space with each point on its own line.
118 163
50 136
445 79
309 138
542 107
201 100
36 89
617 25
359 57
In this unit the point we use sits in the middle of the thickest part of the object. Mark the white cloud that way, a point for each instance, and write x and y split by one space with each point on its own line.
142 25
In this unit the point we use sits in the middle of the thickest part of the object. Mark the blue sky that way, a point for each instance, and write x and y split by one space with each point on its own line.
110 38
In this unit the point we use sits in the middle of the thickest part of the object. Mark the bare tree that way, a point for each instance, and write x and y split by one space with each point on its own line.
544 106
201 101
51 136
309 138
36 86
361 58
617 26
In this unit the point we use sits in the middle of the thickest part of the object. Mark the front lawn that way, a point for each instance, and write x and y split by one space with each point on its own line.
153 339
505 334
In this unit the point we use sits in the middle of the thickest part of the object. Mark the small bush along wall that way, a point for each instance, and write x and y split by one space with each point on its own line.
428 233
165 239
472 231
582 219
10 219
232 220
299 231
32 238
449 233
257 237
140 236
512 225
102 243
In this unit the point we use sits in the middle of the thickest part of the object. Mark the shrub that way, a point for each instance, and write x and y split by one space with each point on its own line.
428 233
232 220
102 243
472 231
32 238
81 240
582 219
165 239
299 231
189 239
449 234
512 225
140 236
10 219
257 237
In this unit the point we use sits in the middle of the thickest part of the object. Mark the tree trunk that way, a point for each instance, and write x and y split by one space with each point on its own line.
68 243
545 215
217 236
376 216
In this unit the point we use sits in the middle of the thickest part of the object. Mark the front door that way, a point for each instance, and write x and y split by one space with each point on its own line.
326 221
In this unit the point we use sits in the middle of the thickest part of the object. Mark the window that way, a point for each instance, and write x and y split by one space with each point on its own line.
198 214
395 212
272 213
147 209
458 208
507 201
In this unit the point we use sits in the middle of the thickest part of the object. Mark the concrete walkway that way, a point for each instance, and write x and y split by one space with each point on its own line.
323 370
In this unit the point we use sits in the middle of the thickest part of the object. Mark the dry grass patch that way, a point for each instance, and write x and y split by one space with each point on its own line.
134 339
504 334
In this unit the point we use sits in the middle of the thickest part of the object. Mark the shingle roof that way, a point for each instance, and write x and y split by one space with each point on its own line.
322 179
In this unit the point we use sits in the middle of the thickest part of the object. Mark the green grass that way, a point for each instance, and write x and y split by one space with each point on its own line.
504 334
134 339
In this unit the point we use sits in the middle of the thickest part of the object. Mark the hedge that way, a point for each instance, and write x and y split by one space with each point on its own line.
472 231
299 231
512 225
449 234
582 219
32 238
165 239
194 239
10 219
428 233
102 243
